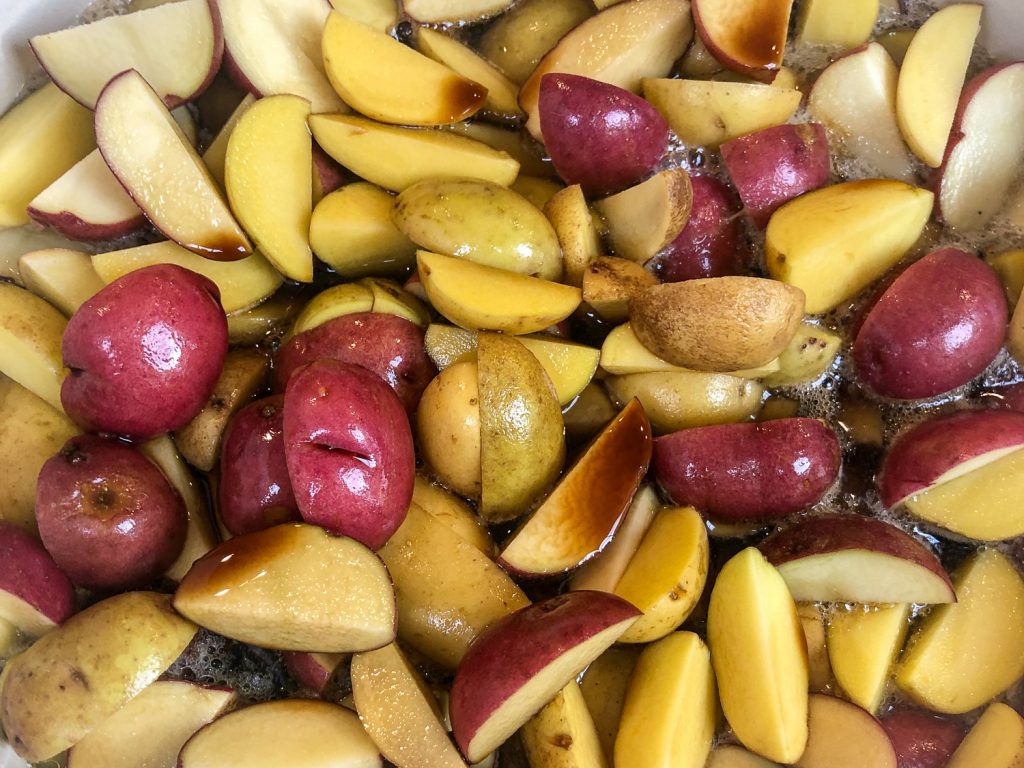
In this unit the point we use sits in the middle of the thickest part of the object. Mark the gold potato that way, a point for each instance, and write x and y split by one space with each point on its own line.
79 674
718 323
675 400
480 221
448 428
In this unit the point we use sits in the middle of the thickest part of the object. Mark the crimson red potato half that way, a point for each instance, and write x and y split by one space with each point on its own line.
349 451
941 449
761 471
773 165
712 243
35 595
599 136
936 327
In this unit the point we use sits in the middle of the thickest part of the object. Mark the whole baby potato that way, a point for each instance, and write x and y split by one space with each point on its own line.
107 514
748 471
145 352
349 451
936 327
79 674
388 345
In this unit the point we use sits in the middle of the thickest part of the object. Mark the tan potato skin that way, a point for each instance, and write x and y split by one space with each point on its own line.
74 677
718 323
448 428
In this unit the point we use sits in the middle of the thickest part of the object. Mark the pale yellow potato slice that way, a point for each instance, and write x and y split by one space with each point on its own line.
216 154
842 735
387 81
154 161
668 720
242 284
268 175
30 343
604 686
40 139
453 512
517 144
995 741
967 652
379 14
819 669
759 656
833 242
863 644
841 23
479 297
709 112
932 76
646 217
395 158
63 277
444 49
31 432
666 576
808 355
352 232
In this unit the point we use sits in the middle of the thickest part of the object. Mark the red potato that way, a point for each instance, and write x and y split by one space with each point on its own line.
855 559
1011 397
936 327
313 670
940 449
144 353
517 665
107 514
349 451
774 165
599 136
711 244
255 490
748 471
35 595
921 739
388 345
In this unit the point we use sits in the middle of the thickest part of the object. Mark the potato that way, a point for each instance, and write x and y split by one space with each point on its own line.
480 221
719 323
584 120
936 327
759 471
776 164
448 428
675 400
522 437
244 374
808 355
519 38
447 590
82 672
609 283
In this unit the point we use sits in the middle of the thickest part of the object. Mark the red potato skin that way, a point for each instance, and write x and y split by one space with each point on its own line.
1011 397
772 166
763 74
751 471
349 451
107 515
513 649
939 324
598 135
921 739
75 228
712 243
28 571
255 491
836 533
389 346
307 670
928 450
145 352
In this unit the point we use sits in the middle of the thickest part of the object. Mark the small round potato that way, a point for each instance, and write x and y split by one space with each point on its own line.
448 428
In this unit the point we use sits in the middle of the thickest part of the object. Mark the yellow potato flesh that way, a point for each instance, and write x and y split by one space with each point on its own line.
862 646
